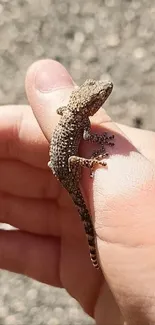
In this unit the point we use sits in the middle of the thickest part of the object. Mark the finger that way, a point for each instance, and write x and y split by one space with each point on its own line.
23 180
30 215
48 86
21 137
33 256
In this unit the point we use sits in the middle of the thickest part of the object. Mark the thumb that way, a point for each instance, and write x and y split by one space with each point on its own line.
48 86
123 195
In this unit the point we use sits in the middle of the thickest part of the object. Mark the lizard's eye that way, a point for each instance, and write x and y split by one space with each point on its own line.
90 82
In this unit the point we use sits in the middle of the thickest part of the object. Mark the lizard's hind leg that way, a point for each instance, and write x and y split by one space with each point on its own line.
98 155
73 161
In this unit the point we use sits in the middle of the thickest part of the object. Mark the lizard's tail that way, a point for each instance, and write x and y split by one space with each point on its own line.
87 222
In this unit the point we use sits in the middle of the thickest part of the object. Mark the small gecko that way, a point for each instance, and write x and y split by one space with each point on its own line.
65 162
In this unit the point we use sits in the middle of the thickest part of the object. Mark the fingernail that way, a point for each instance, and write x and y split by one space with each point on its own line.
52 75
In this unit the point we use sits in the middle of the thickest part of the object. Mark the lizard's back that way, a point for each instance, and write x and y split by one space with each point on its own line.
65 143
64 159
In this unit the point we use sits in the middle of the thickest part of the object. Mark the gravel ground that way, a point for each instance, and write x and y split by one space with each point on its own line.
97 39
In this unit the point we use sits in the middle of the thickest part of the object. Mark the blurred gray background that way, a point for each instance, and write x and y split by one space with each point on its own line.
112 39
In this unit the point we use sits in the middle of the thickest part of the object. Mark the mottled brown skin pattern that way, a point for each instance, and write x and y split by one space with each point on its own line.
65 163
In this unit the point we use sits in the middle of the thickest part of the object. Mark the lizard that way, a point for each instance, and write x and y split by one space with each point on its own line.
65 162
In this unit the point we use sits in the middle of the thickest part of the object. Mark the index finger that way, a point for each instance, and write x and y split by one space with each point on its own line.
21 137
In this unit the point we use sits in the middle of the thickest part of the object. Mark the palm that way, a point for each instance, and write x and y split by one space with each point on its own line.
47 211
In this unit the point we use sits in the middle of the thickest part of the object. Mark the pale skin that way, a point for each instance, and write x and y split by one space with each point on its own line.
120 197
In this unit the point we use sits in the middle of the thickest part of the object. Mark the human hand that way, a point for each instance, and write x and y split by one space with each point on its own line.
51 246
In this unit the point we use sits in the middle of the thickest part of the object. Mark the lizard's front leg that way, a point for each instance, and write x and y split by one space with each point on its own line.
98 138
88 135
102 139
60 110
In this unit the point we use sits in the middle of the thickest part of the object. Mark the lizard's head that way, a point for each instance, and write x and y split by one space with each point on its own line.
88 98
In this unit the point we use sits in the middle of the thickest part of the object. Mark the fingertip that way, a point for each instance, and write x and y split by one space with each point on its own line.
48 86
47 75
